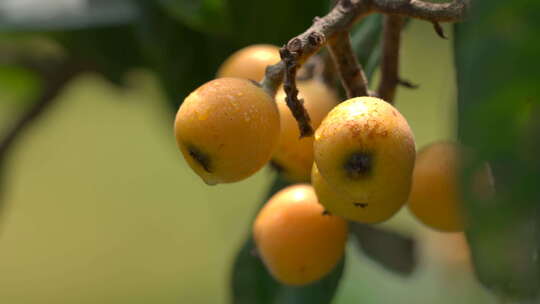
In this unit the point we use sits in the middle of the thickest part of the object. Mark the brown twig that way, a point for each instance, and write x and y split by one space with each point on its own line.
390 57
54 82
344 14
439 30
291 91
407 84
418 9
55 78
340 18
350 71
273 78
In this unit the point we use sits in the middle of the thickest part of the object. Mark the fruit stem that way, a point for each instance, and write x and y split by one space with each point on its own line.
350 71
289 86
342 16
390 57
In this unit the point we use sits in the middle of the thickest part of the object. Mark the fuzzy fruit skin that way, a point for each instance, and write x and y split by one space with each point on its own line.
297 243
341 204
232 125
250 62
435 198
370 132
294 154
451 250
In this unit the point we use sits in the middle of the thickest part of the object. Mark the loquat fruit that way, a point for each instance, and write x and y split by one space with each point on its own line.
339 203
297 241
250 62
435 198
365 149
227 129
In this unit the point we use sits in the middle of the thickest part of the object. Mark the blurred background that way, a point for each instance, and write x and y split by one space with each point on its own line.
98 205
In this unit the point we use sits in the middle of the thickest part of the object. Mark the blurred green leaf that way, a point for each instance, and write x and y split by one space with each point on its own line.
373 62
391 250
499 106
17 85
184 59
203 15
251 282
320 292
111 51
365 39
274 21
61 15
20 55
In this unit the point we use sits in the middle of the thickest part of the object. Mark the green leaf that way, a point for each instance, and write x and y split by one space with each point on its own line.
499 105
274 21
365 39
320 292
391 250
373 62
251 282
61 15
17 84
183 59
111 51
204 15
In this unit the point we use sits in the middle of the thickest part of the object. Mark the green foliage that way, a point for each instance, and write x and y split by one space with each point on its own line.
99 34
251 282
111 51
183 58
274 21
499 106
365 41
17 84
183 41
277 21
204 15
391 250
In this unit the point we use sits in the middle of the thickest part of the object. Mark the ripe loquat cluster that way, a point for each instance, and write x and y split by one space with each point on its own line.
361 163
